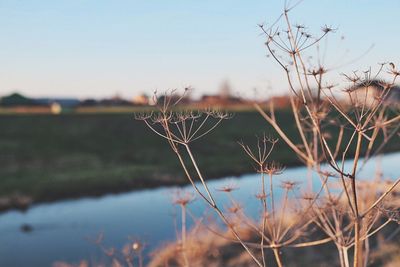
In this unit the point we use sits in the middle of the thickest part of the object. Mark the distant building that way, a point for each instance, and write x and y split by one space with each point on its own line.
55 108
141 99
212 99
371 92
224 98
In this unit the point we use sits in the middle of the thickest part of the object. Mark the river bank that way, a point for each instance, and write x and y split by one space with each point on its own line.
46 158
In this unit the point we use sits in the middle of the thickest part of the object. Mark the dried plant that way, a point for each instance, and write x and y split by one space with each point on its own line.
345 217
180 129
331 130
183 199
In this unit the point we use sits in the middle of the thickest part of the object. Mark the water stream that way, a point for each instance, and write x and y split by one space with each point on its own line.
60 230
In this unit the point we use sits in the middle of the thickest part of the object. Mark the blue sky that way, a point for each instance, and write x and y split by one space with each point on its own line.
98 48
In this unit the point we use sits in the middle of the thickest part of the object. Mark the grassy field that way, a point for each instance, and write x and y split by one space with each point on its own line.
49 157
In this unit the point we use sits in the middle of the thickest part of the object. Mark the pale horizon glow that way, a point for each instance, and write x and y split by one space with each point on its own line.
99 48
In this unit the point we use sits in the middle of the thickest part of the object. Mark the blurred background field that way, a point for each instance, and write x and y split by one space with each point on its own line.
48 157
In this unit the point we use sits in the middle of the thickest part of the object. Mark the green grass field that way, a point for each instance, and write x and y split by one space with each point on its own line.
51 157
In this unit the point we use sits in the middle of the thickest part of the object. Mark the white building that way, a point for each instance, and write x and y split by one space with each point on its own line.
370 93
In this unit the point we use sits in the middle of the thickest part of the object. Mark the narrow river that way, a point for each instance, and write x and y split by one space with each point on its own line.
61 231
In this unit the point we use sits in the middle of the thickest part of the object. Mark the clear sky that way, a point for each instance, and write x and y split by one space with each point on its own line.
96 48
